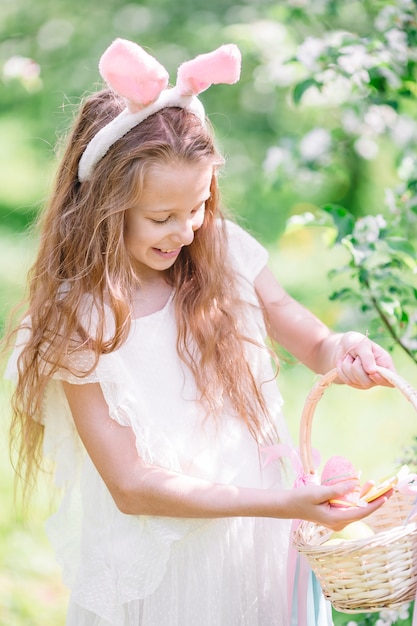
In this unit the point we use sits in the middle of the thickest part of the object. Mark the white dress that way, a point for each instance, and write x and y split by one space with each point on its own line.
126 570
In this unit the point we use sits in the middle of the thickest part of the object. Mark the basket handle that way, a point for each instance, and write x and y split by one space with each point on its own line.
316 394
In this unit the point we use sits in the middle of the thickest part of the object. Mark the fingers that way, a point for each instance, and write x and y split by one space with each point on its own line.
359 361
351 371
339 518
313 504
334 492
358 368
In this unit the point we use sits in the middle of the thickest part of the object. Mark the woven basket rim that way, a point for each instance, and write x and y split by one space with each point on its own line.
384 536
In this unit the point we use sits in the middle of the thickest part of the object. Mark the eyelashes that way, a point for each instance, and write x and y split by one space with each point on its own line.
193 213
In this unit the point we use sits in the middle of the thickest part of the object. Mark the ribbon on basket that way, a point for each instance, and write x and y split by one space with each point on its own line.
306 603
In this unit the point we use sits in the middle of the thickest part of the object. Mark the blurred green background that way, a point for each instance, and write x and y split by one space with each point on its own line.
48 59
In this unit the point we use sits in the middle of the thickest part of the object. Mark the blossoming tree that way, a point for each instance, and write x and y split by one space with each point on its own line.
364 87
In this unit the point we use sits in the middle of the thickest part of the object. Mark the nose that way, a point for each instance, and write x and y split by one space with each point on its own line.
184 232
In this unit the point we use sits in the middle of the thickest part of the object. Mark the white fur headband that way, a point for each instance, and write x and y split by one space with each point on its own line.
142 81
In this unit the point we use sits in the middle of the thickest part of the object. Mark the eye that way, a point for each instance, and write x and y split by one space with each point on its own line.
160 221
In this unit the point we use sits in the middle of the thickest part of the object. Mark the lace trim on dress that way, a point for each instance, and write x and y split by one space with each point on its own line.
101 580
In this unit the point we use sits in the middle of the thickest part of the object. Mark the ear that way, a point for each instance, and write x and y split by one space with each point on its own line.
133 74
220 66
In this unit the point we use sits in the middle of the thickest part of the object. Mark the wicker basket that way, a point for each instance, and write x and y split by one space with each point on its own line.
365 575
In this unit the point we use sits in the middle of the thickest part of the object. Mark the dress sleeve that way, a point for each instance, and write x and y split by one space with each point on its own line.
247 255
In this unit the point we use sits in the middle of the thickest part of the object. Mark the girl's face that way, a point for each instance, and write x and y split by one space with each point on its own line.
170 210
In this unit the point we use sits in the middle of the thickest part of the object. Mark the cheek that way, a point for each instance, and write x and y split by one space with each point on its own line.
134 241
198 222
136 232
130 232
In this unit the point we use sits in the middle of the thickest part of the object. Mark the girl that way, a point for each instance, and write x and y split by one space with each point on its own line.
142 368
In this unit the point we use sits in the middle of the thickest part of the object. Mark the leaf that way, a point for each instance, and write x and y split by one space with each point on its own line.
363 276
345 295
301 88
412 185
402 245
343 220
402 253
410 87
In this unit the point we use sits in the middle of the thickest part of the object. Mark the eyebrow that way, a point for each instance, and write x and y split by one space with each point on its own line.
173 210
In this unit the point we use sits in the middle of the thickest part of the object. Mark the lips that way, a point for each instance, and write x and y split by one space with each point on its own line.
168 254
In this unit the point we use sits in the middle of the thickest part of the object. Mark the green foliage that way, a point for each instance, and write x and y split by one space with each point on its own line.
402 617
382 269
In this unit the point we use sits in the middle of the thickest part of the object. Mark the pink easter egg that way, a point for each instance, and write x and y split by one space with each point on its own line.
338 469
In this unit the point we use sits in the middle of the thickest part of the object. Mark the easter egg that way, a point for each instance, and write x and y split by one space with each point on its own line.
351 532
333 542
338 469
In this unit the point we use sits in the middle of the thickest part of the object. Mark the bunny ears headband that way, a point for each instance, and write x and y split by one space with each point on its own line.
142 81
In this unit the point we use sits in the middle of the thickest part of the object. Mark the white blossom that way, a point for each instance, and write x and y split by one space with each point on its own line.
404 130
387 17
336 90
407 167
397 42
338 38
308 179
351 122
404 610
355 58
309 51
269 36
279 158
21 67
275 72
361 78
315 145
301 220
379 118
366 147
391 616
392 78
367 228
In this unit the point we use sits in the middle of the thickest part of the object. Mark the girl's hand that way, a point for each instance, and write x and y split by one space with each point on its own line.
312 502
357 359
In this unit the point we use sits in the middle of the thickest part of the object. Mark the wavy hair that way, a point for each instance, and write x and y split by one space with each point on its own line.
82 251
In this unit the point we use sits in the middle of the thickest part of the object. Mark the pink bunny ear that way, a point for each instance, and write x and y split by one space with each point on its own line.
220 66
133 73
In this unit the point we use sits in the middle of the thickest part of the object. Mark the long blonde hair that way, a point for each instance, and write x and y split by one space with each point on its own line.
82 251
